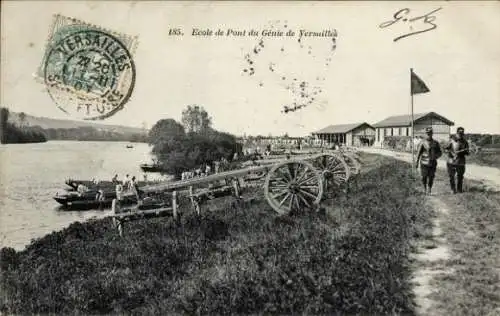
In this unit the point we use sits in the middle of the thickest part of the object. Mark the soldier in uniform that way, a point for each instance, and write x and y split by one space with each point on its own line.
428 153
457 149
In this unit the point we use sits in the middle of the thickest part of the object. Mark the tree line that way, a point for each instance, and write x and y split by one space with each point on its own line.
89 133
12 134
485 140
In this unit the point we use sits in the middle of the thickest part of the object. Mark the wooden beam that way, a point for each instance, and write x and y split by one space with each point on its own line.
140 213
174 204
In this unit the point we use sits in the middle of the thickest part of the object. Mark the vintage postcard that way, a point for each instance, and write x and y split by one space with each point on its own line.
250 157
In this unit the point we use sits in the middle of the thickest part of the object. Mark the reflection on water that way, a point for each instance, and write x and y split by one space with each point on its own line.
30 174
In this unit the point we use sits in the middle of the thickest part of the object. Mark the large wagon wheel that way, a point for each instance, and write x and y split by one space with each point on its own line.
293 185
334 169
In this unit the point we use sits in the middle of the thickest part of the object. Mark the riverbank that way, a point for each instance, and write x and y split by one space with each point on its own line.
351 258
27 207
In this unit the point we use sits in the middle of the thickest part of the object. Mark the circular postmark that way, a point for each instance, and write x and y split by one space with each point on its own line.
89 74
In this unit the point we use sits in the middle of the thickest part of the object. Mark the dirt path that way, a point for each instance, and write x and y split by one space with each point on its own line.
429 259
457 265
490 176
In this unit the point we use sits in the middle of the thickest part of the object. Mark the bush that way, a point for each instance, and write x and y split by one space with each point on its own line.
9 258
401 143
177 151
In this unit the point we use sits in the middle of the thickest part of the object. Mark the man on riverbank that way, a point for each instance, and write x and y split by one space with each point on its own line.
119 194
126 181
428 153
457 149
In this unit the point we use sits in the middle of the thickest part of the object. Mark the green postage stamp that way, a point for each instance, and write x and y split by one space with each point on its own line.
88 71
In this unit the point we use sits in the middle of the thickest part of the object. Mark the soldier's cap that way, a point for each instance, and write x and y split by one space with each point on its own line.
460 130
428 130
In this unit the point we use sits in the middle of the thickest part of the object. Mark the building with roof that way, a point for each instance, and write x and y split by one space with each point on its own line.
400 125
346 134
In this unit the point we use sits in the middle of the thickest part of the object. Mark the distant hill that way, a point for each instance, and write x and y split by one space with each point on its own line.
46 123
57 129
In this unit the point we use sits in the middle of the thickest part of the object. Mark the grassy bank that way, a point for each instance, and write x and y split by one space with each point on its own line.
351 258
472 228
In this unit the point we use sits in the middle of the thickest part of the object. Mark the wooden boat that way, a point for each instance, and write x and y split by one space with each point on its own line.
88 200
105 185
151 167
130 146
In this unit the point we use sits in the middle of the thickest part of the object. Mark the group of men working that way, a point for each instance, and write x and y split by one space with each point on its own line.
206 169
128 183
200 172
429 151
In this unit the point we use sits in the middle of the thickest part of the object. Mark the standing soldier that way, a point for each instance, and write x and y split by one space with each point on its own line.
101 198
119 194
428 153
457 149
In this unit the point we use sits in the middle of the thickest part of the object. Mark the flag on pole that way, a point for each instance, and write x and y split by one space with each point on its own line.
417 84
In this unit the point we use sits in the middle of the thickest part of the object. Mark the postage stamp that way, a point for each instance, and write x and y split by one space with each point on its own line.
88 71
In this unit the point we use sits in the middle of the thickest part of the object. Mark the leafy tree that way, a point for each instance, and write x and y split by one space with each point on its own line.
195 119
10 134
166 132
178 151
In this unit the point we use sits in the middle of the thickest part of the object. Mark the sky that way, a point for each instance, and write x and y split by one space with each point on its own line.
364 78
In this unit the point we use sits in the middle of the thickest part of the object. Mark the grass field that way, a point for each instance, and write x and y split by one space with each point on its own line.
472 228
350 259
485 158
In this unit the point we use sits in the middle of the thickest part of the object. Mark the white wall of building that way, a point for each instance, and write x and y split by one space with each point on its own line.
440 128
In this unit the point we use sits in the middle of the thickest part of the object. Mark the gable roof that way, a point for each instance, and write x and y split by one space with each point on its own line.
404 120
340 129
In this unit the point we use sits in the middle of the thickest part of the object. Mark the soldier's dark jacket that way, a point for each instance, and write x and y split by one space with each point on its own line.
430 151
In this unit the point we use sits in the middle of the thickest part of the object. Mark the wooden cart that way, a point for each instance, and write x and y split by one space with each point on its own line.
289 183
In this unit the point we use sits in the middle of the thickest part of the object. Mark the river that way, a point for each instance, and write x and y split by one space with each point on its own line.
31 174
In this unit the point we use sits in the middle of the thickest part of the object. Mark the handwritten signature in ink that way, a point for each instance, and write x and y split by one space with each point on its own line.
403 16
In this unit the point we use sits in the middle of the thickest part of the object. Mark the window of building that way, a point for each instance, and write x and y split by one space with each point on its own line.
407 131
392 131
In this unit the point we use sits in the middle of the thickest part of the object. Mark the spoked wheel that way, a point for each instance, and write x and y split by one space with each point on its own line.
352 161
293 185
334 169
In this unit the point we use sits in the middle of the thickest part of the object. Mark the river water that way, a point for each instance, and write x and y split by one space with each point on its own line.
31 174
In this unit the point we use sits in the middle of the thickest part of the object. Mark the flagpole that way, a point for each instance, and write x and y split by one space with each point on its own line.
412 128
